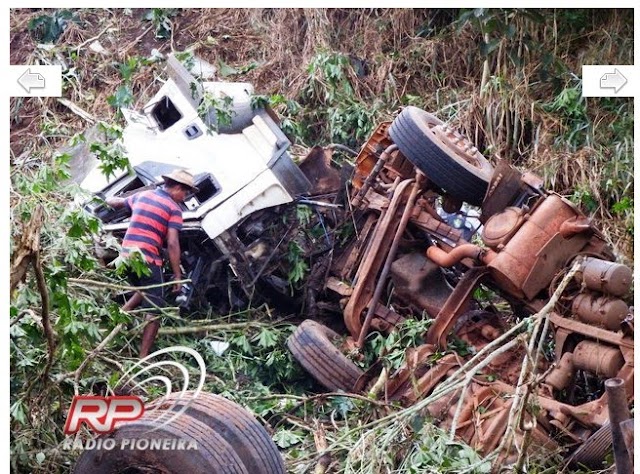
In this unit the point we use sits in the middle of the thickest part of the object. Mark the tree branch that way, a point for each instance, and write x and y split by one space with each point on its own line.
209 327
46 323
78 372
113 286
26 249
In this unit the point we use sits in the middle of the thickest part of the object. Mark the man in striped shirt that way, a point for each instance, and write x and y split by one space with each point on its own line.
156 217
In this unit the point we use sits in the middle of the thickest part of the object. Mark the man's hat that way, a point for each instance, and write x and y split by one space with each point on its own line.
182 177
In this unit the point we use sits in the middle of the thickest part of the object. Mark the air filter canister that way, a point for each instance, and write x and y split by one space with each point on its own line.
607 277
600 310
603 361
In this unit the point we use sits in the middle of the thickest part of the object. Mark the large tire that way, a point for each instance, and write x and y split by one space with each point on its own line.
464 175
312 345
593 451
213 456
237 426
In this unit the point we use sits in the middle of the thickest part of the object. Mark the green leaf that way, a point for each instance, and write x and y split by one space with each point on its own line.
93 331
114 379
134 262
122 98
465 17
110 131
116 315
259 101
26 361
286 438
248 67
242 343
224 70
623 205
161 21
488 48
74 327
417 422
129 67
343 405
267 338
61 303
18 412
48 28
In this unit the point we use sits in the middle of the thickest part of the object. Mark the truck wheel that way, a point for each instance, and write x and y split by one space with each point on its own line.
593 451
237 426
212 456
312 345
446 157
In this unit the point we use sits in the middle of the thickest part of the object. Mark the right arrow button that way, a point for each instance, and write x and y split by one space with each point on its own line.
613 80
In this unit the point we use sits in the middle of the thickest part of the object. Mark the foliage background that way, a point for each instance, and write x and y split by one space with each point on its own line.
509 78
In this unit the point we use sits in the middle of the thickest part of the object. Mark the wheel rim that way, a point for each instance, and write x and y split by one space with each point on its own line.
454 141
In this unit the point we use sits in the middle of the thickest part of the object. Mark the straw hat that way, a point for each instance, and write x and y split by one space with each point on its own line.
182 177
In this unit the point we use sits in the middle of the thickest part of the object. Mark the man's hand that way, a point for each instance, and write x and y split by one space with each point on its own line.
173 245
176 286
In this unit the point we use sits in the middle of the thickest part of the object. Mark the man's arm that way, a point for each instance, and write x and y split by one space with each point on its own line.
173 246
116 202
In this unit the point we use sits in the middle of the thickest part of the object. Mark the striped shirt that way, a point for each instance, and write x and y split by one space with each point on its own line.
153 212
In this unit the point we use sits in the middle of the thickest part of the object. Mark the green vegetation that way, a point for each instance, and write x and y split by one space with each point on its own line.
215 112
49 28
111 155
160 18
509 78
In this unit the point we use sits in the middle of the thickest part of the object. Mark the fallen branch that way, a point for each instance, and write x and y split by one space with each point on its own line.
320 396
115 363
320 440
451 384
302 400
46 323
26 249
91 40
135 41
78 372
78 111
28 253
210 327
380 383
524 387
394 423
469 378
22 314
113 286
99 348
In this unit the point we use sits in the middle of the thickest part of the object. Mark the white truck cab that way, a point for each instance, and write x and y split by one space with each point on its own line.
240 167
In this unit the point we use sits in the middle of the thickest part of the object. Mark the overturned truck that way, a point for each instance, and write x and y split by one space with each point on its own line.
433 221
410 259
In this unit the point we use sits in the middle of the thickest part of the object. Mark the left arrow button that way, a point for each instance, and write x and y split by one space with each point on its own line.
31 80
